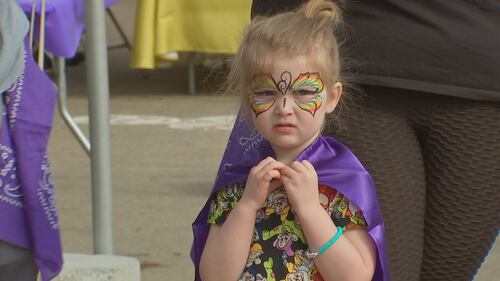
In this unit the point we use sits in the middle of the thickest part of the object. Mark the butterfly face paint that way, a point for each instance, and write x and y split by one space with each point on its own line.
306 91
263 93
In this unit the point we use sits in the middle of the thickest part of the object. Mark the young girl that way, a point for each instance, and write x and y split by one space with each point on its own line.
288 203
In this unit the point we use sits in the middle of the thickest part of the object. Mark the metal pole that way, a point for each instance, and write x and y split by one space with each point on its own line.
191 74
59 64
98 86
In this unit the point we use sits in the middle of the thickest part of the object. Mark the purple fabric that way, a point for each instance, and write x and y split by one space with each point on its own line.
28 214
335 165
64 23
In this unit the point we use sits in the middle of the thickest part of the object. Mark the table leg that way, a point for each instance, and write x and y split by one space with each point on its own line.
192 74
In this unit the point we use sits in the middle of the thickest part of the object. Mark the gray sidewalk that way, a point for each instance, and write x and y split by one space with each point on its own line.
161 173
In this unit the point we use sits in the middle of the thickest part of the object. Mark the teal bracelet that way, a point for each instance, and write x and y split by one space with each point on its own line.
326 246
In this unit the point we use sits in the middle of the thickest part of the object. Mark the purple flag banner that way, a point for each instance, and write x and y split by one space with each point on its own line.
28 216
64 23
336 166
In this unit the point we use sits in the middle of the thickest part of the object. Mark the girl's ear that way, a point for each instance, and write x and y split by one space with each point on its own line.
333 97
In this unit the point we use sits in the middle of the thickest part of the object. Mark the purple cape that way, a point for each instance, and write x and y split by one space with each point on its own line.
335 165
28 216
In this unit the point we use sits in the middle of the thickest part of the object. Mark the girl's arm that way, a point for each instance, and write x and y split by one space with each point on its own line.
351 257
226 251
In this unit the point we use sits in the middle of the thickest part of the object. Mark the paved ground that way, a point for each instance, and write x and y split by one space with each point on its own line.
161 174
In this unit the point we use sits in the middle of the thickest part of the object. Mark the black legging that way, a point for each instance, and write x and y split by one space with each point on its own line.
16 263
434 155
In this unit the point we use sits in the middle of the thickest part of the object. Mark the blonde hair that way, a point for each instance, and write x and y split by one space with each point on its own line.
308 31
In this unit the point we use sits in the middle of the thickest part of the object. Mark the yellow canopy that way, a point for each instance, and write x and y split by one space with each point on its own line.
206 26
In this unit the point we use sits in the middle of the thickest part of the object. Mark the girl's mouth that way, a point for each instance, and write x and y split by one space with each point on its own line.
284 128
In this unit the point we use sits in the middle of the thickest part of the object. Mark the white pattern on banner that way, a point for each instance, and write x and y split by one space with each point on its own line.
46 194
10 190
13 105
225 166
251 141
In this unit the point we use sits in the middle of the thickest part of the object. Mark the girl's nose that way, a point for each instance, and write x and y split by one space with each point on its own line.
284 105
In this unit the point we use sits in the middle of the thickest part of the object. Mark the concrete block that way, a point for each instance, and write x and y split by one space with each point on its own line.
80 267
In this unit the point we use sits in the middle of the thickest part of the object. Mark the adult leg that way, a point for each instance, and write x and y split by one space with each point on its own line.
378 132
462 159
16 263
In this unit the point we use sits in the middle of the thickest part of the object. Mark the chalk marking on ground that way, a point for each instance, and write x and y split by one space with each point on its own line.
224 122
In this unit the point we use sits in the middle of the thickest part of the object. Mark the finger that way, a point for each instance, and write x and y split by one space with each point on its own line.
299 167
276 165
308 165
269 167
289 172
285 179
271 175
262 163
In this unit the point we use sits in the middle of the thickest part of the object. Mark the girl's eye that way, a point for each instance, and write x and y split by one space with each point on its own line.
264 94
305 92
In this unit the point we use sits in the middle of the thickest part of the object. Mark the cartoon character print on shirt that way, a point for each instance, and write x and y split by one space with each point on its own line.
216 211
357 220
288 225
302 268
224 202
326 196
268 266
261 215
259 277
256 235
254 255
247 276
297 276
281 255
277 203
341 214
284 241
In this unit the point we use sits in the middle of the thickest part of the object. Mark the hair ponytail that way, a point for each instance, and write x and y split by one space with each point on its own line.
323 10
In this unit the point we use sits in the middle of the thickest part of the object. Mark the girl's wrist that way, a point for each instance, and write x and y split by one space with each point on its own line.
247 205
309 212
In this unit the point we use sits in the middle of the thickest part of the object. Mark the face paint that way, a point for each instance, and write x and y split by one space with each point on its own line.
284 83
306 90
263 93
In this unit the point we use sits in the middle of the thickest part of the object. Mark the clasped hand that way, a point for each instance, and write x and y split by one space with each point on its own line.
299 180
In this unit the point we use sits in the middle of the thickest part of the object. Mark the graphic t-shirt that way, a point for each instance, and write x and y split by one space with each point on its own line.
279 247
